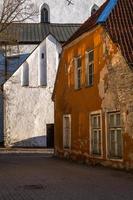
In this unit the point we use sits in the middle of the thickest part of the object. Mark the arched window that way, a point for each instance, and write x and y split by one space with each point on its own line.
94 9
44 13
25 74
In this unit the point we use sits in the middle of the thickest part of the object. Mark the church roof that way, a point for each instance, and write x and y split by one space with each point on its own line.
117 17
34 33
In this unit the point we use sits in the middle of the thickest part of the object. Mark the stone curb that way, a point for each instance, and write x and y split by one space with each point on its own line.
25 151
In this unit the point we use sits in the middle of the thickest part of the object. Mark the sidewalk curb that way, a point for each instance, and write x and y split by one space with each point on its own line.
25 151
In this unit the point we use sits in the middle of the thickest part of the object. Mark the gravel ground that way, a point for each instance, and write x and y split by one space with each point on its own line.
42 177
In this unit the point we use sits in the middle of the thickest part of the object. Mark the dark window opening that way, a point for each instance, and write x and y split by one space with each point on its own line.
42 55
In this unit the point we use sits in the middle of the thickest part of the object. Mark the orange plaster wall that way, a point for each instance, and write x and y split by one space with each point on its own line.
79 103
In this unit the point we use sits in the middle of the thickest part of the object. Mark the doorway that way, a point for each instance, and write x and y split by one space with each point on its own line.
50 135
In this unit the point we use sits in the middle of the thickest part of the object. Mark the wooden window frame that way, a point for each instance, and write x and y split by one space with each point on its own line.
96 113
108 135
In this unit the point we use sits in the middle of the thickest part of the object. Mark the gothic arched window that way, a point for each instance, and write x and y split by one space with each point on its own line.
45 13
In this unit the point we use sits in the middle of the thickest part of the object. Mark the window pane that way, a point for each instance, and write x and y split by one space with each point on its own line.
112 143
118 120
78 78
95 142
90 74
90 80
94 121
91 69
78 62
99 142
119 143
91 56
77 73
99 123
111 120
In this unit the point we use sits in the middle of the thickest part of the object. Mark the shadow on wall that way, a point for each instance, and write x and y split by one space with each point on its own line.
40 141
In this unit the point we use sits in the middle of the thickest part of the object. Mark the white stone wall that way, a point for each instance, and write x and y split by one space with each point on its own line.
60 12
29 109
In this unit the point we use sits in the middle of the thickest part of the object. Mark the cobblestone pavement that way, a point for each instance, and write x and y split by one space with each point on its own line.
40 177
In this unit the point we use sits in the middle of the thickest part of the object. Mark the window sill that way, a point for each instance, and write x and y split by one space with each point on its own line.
77 89
96 156
66 148
115 159
25 86
42 86
89 86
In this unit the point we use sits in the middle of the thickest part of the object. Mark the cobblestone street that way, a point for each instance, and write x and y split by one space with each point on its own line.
42 177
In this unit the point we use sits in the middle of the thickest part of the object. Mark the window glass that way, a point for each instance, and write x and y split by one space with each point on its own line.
78 73
89 68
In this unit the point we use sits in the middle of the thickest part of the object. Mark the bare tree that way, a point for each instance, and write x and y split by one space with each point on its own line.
13 11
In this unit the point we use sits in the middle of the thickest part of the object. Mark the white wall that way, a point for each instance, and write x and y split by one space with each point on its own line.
29 109
60 12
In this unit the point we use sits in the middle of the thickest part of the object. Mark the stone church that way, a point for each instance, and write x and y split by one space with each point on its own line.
28 109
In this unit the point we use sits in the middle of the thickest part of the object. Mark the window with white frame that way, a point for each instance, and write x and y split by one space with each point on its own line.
67 131
90 68
115 140
78 72
96 134
25 74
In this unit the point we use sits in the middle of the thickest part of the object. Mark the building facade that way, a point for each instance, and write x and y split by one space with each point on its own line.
28 109
93 91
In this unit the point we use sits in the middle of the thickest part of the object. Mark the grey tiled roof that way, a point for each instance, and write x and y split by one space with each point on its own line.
29 33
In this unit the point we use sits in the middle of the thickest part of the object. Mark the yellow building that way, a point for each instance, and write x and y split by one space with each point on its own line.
93 92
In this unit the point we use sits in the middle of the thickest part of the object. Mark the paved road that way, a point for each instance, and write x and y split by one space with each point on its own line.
39 177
